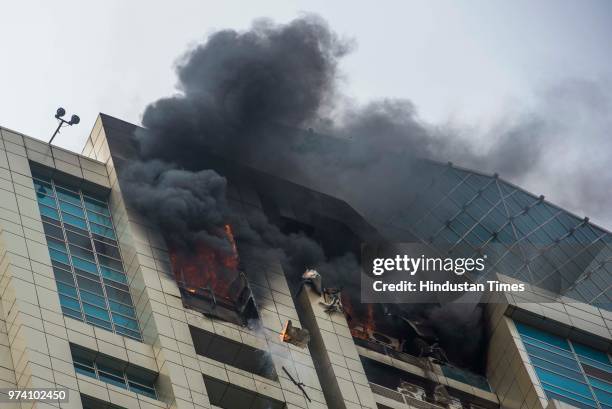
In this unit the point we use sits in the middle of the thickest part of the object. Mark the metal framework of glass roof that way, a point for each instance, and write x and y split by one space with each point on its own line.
523 235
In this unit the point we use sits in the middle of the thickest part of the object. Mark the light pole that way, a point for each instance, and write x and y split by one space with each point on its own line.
62 122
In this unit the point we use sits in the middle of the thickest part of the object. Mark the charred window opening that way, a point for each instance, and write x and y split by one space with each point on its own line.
211 281
233 353
229 396
395 379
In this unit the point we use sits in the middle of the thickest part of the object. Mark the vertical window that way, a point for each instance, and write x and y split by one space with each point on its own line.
569 371
85 256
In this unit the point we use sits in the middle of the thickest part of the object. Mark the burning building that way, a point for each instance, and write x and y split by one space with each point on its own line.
99 299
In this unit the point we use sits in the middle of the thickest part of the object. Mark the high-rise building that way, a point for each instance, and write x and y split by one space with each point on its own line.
94 302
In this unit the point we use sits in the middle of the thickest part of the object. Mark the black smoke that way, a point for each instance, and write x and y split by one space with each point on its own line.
252 96
246 96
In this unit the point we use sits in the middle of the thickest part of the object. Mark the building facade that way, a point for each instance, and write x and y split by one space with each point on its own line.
91 301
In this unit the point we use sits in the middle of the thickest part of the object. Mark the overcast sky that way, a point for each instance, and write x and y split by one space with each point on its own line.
460 62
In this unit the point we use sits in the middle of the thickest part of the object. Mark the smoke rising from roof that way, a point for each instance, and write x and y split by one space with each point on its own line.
247 96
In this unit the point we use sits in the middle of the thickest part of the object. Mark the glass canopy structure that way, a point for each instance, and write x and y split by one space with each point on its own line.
523 235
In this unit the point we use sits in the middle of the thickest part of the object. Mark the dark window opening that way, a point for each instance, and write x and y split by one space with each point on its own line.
391 378
92 403
228 396
232 353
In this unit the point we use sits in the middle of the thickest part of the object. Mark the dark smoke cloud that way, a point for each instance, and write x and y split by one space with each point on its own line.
188 207
237 84
251 95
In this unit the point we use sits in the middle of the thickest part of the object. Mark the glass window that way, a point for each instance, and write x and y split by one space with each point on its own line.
73 220
96 206
96 312
48 212
118 295
46 200
67 289
78 239
122 308
58 256
68 196
84 265
113 275
63 276
561 365
93 299
43 187
109 262
53 231
76 268
107 249
56 244
90 285
102 230
72 209
69 302
143 390
107 369
82 253
125 322
97 218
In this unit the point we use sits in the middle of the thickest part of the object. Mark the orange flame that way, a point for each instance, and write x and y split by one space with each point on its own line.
360 327
207 268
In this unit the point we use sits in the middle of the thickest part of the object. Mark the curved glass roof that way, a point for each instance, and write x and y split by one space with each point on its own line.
522 235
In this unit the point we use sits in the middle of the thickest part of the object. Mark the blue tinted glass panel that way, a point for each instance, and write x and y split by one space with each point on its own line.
46 200
127 332
82 253
67 290
84 370
118 295
543 336
84 265
113 275
104 231
59 256
104 377
93 299
68 196
96 206
98 322
99 219
109 262
63 276
49 212
90 285
150 392
598 383
76 268
562 371
69 302
125 322
72 313
57 245
96 312
122 309
73 220
43 187
591 353
72 209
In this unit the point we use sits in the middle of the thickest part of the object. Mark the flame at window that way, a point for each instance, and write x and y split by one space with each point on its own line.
207 271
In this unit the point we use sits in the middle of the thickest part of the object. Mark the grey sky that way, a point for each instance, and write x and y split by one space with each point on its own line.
465 64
